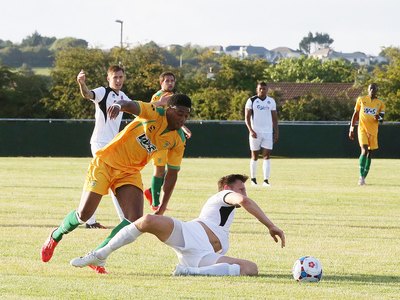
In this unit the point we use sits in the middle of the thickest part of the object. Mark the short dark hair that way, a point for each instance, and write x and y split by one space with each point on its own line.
164 74
261 83
230 179
180 100
373 84
115 68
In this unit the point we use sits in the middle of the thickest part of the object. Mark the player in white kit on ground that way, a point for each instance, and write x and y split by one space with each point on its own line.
200 244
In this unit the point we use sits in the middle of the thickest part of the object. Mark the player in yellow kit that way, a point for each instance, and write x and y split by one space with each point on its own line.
160 159
118 164
369 111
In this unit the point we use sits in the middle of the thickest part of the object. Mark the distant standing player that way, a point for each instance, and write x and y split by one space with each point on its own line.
369 111
105 129
167 83
261 120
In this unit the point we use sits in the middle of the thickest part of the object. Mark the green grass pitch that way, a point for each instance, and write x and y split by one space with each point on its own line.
354 231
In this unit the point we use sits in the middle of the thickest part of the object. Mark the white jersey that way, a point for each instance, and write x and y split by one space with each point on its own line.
105 129
218 216
261 119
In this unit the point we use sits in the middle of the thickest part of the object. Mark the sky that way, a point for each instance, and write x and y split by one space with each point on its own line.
355 25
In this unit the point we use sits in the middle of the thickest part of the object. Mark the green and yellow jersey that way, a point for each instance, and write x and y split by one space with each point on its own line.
157 96
368 108
147 134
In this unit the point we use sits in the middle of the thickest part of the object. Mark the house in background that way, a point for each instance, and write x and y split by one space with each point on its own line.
359 58
216 49
274 55
378 59
283 52
247 51
234 51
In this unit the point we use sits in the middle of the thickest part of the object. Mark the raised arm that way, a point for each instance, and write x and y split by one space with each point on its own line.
85 92
131 107
163 100
252 207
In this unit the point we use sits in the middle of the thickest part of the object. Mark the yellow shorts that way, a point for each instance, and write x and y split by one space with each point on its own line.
160 158
101 177
364 138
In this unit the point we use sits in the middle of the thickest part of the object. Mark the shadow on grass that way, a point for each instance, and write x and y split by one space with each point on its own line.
350 278
354 278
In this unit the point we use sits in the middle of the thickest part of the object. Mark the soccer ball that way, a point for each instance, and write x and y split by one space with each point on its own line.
307 269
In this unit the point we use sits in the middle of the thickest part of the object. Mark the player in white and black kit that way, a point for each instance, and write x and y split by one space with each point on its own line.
200 244
262 122
104 129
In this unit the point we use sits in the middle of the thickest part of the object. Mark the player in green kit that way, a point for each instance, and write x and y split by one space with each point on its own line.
369 111
167 83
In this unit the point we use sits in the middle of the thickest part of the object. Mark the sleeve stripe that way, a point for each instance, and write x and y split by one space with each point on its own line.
224 198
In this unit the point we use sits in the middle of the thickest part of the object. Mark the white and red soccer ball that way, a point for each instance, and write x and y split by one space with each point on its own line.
307 269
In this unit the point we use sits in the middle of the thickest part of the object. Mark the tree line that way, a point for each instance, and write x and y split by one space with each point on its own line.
219 85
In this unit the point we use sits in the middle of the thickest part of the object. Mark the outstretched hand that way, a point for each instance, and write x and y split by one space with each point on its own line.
81 78
275 232
113 111
160 211
164 99
351 135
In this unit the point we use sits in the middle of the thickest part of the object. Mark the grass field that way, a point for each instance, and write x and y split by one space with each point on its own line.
42 71
354 231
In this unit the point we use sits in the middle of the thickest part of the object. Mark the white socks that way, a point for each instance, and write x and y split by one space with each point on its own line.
126 235
92 219
222 269
253 168
117 207
266 168
79 219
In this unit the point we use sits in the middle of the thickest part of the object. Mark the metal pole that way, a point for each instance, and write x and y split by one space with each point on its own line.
122 23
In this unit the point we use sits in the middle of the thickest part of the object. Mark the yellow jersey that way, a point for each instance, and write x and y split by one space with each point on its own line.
368 108
135 145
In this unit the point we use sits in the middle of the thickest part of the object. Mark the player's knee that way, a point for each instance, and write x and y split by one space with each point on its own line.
146 222
159 171
248 268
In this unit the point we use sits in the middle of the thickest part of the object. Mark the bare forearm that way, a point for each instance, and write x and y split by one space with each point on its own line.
169 184
129 106
252 207
248 124
354 119
275 121
85 92
123 105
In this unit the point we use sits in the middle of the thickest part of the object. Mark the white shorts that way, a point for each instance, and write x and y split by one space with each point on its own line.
263 140
191 244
